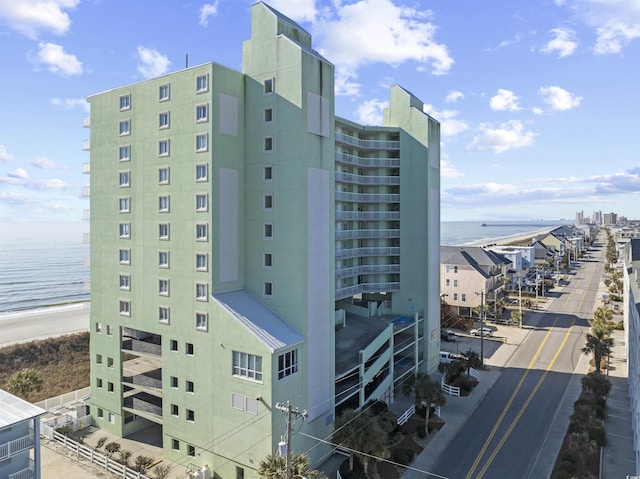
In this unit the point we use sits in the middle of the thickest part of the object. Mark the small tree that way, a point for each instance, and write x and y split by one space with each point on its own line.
599 344
596 384
142 463
472 360
101 442
24 382
124 456
112 448
274 467
161 471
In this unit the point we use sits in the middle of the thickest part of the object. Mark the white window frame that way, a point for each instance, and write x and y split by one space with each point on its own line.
267 231
163 231
163 148
160 174
268 115
189 386
287 364
267 263
163 120
202 321
163 203
267 202
124 179
202 292
163 259
122 253
164 89
205 260
125 282
267 289
125 102
267 174
163 287
124 128
190 415
267 144
202 142
269 86
246 366
124 230
202 202
202 228
124 153
125 308
202 83
164 315
202 168
124 204
202 113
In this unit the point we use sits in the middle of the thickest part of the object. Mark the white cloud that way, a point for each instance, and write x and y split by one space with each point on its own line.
58 60
71 103
450 125
564 42
151 62
615 22
504 100
511 41
18 173
448 171
43 163
207 10
506 137
298 10
453 96
559 99
4 154
377 31
31 17
370 112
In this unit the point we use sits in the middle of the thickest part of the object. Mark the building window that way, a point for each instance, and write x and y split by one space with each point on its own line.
175 410
202 202
123 179
173 345
124 153
455 283
163 176
267 231
125 102
247 365
189 386
201 113
163 259
109 330
268 202
455 296
163 315
175 444
268 85
100 413
125 282
202 291
201 142
109 387
125 127
201 172
163 287
99 382
163 92
268 260
98 327
109 362
125 308
125 230
447 269
455 269
124 204
202 83
163 204
464 297
125 256
188 349
174 382
201 262
268 144
163 120
163 231
287 364
98 358
268 173
201 232
191 415
268 115
202 321
163 148
191 450
268 289
447 282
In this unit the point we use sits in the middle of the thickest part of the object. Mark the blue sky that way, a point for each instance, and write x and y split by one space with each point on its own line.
538 100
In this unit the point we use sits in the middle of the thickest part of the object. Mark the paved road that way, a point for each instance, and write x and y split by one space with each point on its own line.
505 434
43 323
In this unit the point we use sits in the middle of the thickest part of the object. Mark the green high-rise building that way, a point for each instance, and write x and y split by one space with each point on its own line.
248 248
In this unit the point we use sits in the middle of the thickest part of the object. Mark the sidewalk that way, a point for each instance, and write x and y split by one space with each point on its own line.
618 458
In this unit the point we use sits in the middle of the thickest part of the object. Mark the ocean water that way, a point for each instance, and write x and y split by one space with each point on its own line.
43 264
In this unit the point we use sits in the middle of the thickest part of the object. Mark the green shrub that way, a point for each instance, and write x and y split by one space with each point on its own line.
596 433
403 456
112 448
599 411
64 430
101 442
574 427
421 432
142 463
567 466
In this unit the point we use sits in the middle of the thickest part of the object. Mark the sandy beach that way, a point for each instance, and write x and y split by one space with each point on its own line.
524 239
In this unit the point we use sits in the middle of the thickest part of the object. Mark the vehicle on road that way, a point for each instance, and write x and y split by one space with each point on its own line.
447 357
448 335
481 332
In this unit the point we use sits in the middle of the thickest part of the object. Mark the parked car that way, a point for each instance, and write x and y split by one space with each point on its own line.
481 332
448 335
447 357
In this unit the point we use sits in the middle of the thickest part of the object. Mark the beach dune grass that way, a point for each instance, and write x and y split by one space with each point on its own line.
62 362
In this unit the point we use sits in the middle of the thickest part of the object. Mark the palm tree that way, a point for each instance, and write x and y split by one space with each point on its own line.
426 391
602 315
25 381
360 432
472 360
274 467
599 344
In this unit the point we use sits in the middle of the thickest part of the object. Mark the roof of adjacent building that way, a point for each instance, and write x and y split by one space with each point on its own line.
15 410
474 256
259 319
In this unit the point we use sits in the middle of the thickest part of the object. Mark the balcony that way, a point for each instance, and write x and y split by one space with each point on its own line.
367 180
350 291
355 160
86 121
367 215
86 214
26 473
143 376
17 446
371 144
368 269
86 168
86 191
367 252
86 145
144 405
139 347
86 238
367 197
367 234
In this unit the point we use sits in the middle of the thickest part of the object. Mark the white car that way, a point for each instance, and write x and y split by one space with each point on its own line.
481 332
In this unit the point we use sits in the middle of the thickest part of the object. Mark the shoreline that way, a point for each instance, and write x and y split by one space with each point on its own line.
40 310
513 240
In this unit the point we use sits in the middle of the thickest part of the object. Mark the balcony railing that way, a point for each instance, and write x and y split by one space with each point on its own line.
143 380
367 215
356 160
368 269
86 145
86 214
367 197
366 234
374 144
137 346
86 191
86 121
145 403
366 288
367 180
363 252
86 168
17 446
26 473
86 238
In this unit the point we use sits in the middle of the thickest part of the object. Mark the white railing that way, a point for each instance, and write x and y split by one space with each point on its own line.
48 427
345 215
26 473
367 197
406 415
368 251
475 374
368 143
364 234
86 145
86 121
450 390
368 162
367 179
65 399
17 446
95 457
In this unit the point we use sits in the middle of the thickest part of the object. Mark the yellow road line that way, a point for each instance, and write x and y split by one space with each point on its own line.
511 399
526 403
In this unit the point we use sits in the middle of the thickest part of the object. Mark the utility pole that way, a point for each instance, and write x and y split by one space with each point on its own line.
287 408
481 293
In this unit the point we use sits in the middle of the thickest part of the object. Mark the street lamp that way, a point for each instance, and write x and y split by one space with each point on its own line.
520 275
481 293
